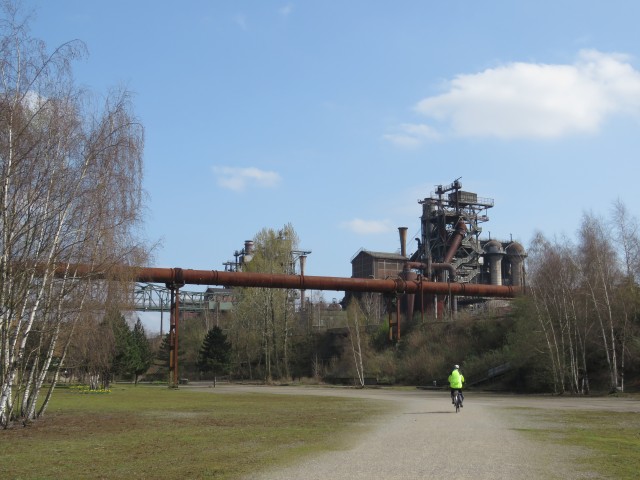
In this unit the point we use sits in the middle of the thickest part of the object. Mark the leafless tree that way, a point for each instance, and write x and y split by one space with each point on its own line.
355 319
627 238
586 297
373 307
70 193
601 275
554 284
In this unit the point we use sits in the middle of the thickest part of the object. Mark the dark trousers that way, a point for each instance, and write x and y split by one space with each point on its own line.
458 389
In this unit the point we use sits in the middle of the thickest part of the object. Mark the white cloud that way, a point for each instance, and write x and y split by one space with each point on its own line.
367 227
410 135
532 100
238 179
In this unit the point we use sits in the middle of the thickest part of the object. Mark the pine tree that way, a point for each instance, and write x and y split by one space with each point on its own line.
141 353
215 353
162 355
122 359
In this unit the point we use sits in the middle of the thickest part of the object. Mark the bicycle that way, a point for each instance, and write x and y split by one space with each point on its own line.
457 400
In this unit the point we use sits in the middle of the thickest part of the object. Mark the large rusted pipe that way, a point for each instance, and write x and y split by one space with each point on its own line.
403 240
434 266
266 280
271 280
408 301
456 240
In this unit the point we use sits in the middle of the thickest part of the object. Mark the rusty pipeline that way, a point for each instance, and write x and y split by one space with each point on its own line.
178 277
434 266
403 240
456 240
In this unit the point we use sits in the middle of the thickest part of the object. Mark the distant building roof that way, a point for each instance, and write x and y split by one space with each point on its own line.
383 255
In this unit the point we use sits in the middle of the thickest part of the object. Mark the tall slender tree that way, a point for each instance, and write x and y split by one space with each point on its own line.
70 193
355 320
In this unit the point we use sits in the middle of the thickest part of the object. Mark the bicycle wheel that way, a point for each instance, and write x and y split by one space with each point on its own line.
456 401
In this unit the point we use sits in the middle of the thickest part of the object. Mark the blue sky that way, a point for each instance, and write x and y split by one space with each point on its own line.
337 116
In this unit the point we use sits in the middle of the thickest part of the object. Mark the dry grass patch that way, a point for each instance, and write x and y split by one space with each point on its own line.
155 432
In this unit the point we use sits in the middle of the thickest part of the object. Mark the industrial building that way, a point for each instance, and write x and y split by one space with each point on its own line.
449 249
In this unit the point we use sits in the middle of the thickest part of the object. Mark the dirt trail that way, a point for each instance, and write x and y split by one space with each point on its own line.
423 438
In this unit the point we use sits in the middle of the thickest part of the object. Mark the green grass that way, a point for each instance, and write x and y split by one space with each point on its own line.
156 432
610 440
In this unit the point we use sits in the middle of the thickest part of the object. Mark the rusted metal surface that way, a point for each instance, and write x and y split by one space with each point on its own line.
173 337
306 282
456 240
403 240
177 277
434 266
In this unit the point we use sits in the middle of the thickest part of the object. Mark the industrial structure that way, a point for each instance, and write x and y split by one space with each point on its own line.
450 265
212 303
449 249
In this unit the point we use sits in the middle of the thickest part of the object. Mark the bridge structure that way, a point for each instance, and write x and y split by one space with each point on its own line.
152 297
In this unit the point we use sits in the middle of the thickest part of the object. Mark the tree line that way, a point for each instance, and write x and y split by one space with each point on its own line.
586 301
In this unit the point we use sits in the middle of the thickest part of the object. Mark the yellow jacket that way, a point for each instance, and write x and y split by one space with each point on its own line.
456 379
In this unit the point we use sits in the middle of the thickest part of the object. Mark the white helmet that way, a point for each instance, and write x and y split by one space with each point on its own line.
456 366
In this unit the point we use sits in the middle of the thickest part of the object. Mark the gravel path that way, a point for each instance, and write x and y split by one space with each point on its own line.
423 438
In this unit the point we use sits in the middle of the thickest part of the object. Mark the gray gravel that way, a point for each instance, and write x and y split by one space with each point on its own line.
423 438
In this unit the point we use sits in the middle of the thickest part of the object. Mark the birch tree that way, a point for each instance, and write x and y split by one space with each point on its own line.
587 299
601 274
554 279
268 311
627 238
355 320
70 193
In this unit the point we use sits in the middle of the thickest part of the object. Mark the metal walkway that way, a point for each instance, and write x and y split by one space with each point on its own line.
150 297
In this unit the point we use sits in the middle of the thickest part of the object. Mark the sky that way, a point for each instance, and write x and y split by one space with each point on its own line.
338 116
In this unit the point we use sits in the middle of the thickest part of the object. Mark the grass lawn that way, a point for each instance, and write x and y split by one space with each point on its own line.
156 432
610 441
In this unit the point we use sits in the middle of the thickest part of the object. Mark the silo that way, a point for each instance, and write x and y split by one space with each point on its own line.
248 251
493 252
515 256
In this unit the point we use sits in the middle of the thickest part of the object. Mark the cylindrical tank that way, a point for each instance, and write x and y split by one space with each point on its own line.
493 252
515 256
248 251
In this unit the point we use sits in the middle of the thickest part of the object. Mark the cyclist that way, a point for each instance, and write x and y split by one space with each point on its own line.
456 379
